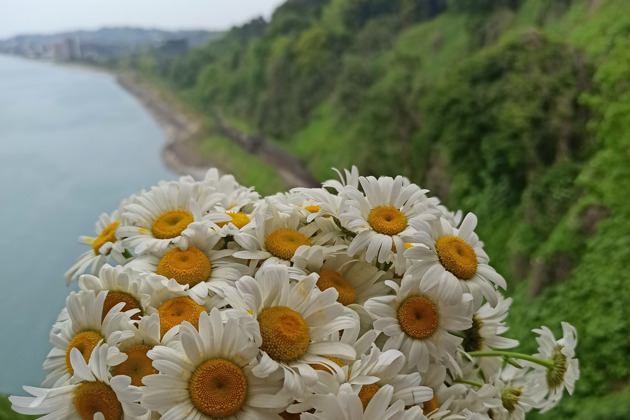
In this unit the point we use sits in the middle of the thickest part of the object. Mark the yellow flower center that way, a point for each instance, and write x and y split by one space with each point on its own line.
510 398
240 220
284 332
366 393
218 388
97 397
138 364
418 316
177 310
84 341
312 208
114 298
430 406
555 374
107 235
187 267
334 279
283 243
171 224
457 256
387 220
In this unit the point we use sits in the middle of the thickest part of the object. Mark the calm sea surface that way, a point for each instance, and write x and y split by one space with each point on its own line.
73 144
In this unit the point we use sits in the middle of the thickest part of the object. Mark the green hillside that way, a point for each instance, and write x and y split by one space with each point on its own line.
516 110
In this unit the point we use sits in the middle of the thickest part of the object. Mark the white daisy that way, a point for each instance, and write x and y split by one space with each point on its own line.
376 369
85 328
92 393
212 376
520 392
439 407
198 268
123 284
564 369
156 219
479 399
389 214
104 247
452 262
485 334
348 178
295 320
346 405
354 280
235 197
418 323
174 305
273 235
147 335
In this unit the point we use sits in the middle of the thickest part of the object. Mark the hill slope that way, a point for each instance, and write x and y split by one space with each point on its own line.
515 110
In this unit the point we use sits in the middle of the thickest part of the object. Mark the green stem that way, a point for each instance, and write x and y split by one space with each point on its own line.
127 254
512 355
466 381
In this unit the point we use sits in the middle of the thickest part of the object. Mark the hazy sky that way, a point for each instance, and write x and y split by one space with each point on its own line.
48 16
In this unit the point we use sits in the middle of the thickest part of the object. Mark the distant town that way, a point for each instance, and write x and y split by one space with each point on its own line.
101 45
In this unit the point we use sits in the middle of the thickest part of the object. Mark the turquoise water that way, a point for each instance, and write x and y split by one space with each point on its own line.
73 144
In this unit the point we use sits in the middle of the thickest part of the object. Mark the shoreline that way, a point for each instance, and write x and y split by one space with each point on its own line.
180 128
184 130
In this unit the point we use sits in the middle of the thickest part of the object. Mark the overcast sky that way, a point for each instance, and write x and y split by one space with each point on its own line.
49 16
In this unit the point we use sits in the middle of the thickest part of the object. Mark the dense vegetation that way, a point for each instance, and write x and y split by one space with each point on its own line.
517 110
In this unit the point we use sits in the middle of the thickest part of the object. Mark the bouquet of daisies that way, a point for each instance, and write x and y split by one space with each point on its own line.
363 299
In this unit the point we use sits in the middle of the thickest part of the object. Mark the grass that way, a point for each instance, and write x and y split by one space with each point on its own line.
7 414
247 169
324 145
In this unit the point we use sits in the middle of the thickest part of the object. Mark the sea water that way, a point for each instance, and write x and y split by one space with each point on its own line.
73 144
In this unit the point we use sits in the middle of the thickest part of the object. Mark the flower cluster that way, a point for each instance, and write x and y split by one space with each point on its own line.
361 299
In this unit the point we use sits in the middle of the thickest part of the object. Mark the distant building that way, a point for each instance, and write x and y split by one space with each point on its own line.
67 49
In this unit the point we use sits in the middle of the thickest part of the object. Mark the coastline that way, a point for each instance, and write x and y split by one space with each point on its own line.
182 128
185 130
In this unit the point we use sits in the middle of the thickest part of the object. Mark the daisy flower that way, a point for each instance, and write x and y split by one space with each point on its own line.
439 407
92 393
520 392
198 267
355 281
104 246
564 369
123 284
85 328
418 323
485 334
174 305
348 178
211 377
479 399
235 197
147 335
390 213
272 235
346 405
452 262
294 323
376 369
155 219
